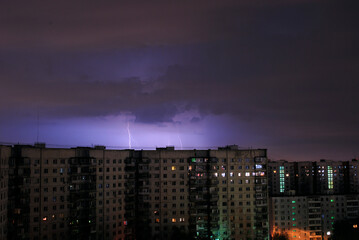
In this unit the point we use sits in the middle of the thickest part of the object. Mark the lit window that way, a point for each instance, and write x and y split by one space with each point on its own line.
223 174
330 177
239 174
231 174
173 220
44 218
281 179
248 174
173 168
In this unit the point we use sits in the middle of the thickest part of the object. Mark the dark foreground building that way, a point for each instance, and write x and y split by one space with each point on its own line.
94 193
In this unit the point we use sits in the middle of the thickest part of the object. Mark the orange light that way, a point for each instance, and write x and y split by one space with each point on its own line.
44 219
355 226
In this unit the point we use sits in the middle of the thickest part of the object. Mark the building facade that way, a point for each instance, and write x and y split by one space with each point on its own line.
5 153
311 217
95 193
308 178
307 198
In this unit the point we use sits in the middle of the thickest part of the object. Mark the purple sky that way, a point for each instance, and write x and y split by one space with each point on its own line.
282 75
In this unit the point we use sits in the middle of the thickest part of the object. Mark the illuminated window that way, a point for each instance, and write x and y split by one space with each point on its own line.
223 174
248 174
181 219
239 174
281 179
173 220
157 220
355 226
231 174
330 177
44 218
173 168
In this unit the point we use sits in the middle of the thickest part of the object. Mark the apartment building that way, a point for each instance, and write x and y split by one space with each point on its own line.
308 178
5 153
95 193
311 217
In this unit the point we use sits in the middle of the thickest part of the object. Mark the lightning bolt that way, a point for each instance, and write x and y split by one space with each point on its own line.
180 140
129 135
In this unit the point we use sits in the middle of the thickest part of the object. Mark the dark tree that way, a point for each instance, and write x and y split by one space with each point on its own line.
346 229
280 236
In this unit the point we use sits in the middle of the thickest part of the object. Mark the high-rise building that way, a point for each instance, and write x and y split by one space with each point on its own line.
311 217
307 198
308 178
5 153
95 193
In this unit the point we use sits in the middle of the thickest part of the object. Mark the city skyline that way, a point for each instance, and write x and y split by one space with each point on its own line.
278 75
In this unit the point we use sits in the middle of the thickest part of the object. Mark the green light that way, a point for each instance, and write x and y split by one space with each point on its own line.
293 213
293 207
332 200
293 201
332 217
193 160
293 219
294 225
281 179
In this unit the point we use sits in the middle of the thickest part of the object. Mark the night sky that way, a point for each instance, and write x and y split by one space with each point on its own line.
279 74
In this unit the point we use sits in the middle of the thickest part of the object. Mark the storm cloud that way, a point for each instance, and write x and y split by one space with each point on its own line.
284 73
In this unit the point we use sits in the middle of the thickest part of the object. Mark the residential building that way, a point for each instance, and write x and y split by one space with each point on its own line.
311 217
95 193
